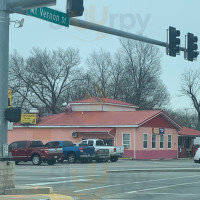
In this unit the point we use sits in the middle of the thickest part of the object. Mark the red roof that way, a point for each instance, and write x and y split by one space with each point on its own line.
101 100
103 119
189 132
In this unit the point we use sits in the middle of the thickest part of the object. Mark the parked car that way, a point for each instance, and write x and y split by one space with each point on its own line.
72 153
197 156
34 151
100 154
114 151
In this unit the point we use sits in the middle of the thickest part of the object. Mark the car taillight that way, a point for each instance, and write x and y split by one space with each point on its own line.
81 149
98 151
114 149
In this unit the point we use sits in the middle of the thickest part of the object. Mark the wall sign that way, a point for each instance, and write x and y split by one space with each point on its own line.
158 131
161 131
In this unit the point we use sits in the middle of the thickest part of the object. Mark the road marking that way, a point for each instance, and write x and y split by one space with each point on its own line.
68 177
58 182
162 187
96 188
172 194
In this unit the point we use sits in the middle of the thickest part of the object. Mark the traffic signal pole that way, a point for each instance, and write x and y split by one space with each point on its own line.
4 57
100 28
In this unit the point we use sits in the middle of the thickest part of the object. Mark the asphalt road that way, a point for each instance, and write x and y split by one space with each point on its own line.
91 181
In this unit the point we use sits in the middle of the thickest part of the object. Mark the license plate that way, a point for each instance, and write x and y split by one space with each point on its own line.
55 156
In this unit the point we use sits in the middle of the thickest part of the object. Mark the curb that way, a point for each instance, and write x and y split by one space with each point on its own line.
156 170
28 190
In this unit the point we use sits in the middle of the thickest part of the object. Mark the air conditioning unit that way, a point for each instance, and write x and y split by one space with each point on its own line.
74 134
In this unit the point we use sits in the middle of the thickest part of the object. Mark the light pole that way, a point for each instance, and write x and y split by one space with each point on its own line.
4 57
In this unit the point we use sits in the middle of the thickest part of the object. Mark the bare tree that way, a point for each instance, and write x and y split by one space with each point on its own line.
42 78
186 117
99 64
190 86
117 77
143 84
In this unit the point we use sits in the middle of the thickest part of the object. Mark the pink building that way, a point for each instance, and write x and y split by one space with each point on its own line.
148 134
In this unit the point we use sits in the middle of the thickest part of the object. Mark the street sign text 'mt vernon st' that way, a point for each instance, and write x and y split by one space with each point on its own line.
50 15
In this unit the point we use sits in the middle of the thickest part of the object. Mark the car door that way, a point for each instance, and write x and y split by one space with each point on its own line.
18 150
13 149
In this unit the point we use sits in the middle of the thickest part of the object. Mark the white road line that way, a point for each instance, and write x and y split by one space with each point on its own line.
162 187
58 182
53 178
96 188
68 177
152 193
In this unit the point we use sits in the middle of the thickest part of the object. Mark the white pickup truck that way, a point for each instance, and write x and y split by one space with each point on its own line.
114 151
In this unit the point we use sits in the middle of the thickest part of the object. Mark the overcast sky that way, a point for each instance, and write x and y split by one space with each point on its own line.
150 18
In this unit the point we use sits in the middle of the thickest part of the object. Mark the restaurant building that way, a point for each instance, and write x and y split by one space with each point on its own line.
145 134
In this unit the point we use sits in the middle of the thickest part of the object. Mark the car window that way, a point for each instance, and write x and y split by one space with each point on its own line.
36 144
90 143
99 143
13 145
83 143
52 144
21 144
68 144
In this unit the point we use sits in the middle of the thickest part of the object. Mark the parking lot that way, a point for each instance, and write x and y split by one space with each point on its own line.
94 181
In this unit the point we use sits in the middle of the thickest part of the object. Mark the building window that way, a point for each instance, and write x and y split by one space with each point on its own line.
187 142
153 141
161 141
126 140
169 141
145 141
180 141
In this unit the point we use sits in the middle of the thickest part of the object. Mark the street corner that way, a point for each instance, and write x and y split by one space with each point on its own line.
57 197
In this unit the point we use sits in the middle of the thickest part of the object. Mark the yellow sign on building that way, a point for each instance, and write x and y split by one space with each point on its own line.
9 98
156 131
28 118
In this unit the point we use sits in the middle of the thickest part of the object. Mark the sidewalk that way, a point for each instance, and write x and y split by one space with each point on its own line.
36 197
32 193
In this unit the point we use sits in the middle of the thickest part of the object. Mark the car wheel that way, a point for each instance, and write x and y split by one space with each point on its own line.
51 162
71 158
113 159
36 159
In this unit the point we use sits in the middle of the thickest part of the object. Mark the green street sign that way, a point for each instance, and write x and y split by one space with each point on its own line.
50 15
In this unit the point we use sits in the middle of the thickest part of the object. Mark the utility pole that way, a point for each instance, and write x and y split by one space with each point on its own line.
7 7
4 57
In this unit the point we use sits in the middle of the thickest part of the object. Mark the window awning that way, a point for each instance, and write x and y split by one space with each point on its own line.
95 130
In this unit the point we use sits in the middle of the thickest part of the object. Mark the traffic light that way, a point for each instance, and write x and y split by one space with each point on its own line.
192 47
13 114
74 8
174 42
